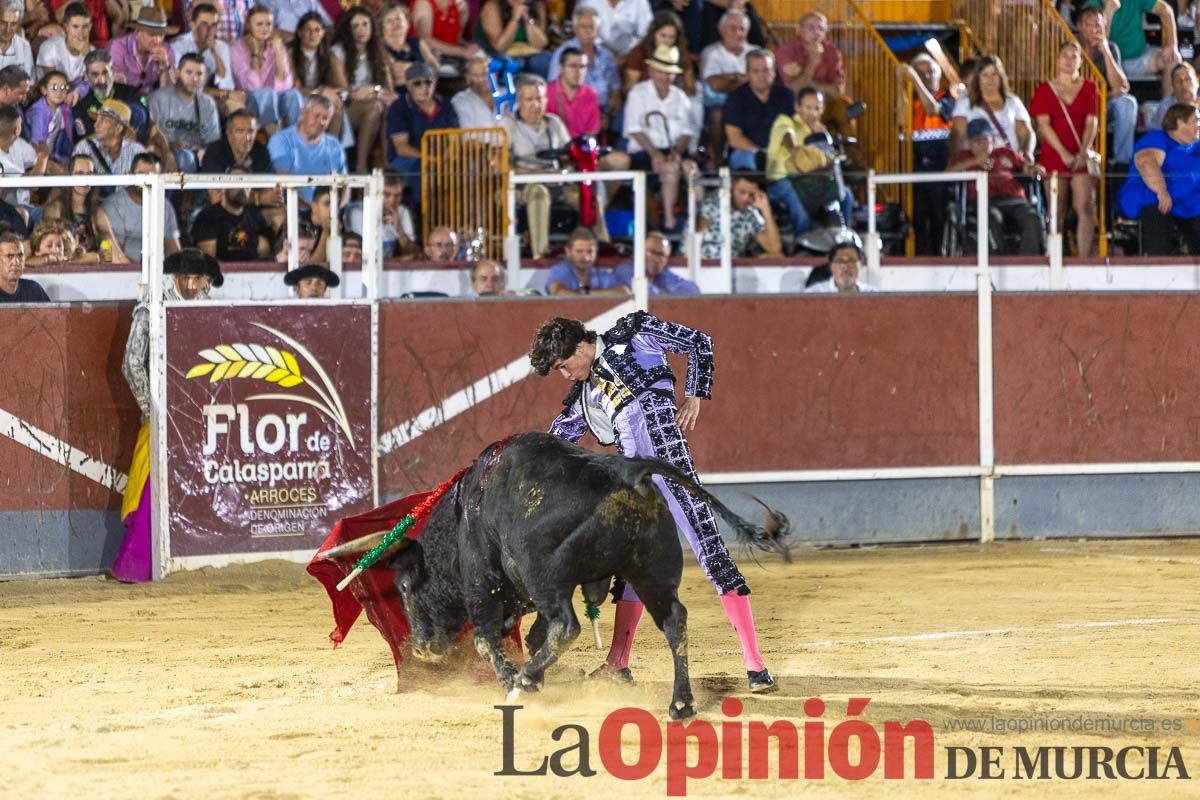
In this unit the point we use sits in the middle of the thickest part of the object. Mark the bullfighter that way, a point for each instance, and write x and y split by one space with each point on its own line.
623 393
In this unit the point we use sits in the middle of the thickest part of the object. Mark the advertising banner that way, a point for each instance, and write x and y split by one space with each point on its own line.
269 425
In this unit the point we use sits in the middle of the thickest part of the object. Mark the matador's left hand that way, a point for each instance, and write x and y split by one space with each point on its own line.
685 418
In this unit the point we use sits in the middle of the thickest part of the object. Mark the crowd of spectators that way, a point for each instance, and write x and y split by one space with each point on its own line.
313 87
968 116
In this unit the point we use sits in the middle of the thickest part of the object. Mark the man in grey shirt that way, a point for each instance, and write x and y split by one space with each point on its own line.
185 114
124 209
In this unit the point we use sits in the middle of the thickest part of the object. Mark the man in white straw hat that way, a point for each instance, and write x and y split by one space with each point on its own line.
658 123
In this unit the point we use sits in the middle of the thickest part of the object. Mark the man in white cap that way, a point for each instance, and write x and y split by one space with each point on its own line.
658 123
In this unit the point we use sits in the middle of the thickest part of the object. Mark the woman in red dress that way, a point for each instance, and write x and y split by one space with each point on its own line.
1066 110
440 24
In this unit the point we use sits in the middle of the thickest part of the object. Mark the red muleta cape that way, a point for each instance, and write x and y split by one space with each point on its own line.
374 590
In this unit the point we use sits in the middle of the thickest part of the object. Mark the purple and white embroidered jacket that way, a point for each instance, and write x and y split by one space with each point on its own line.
631 360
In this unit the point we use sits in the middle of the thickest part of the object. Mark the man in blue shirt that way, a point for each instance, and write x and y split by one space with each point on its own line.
576 273
412 114
602 73
660 279
305 148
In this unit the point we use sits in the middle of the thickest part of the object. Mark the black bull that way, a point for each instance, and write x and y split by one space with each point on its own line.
532 519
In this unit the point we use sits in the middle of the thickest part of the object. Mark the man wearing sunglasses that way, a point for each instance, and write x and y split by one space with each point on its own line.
413 114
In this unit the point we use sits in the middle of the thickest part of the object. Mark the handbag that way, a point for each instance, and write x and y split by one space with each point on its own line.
1095 166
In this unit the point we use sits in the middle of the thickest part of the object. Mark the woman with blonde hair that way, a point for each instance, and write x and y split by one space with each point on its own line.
53 242
1067 110
261 68
400 51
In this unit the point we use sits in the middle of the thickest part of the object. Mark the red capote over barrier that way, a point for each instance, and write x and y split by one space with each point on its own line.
374 590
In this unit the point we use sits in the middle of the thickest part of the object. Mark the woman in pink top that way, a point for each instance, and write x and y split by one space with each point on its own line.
261 68
1066 110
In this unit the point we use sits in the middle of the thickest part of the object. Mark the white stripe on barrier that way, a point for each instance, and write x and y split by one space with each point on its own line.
480 390
1121 556
60 452
1063 626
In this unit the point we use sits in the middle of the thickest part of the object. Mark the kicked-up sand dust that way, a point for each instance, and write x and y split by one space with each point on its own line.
221 683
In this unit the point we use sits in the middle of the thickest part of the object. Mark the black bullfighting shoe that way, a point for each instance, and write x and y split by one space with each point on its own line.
762 682
610 673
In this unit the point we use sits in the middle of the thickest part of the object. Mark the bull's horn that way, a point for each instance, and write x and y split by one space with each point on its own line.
360 545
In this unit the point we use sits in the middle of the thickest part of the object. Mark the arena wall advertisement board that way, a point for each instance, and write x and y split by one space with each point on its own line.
269 427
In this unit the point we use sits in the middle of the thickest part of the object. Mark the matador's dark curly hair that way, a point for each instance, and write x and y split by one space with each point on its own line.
556 340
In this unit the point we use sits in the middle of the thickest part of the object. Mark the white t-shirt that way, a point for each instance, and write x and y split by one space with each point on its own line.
643 101
53 54
716 60
18 53
19 158
622 27
362 70
473 111
1007 116
186 43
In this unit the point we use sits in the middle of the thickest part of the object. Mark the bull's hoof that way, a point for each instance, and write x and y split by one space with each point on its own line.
608 672
681 710
528 684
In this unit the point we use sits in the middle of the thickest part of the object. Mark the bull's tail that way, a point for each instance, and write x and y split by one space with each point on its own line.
769 537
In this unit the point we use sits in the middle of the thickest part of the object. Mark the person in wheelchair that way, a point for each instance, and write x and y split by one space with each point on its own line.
800 164
1008 205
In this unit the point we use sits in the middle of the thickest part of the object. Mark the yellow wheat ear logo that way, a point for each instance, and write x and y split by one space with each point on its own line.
272 365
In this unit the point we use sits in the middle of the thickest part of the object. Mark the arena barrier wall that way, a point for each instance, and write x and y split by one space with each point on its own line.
816 399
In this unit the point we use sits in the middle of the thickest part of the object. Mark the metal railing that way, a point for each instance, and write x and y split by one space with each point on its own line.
637 179
464 180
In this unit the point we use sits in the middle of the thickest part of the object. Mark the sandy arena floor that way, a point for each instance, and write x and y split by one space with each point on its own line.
221 683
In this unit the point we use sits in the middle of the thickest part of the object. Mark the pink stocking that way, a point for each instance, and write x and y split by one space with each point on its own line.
737 608
629 613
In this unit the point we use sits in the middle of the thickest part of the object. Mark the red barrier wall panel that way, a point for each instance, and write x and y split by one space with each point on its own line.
801 382
1097 378
827 382
62 369
429 351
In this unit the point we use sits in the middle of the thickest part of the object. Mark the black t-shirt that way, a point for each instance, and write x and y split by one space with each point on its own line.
27 292
744 111
218 158
236 236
